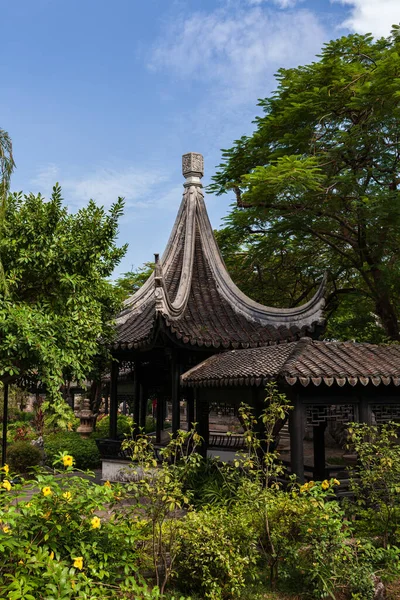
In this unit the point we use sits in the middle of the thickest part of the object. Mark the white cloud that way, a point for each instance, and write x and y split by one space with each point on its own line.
372 16
104 185
235 50
279 3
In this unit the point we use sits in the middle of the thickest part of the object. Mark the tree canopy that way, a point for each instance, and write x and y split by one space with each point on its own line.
130 282
317 188
58 303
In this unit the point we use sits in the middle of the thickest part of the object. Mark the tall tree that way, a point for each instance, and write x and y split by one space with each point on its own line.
7 166
7 163
317 184
59 303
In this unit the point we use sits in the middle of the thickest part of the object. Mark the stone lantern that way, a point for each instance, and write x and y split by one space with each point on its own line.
87 419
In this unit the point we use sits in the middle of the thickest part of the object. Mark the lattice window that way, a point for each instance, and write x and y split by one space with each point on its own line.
340 413
386 412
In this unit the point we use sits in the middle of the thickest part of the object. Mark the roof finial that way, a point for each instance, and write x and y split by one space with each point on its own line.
193 169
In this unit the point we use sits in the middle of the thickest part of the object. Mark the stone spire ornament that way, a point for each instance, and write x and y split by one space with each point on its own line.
193 169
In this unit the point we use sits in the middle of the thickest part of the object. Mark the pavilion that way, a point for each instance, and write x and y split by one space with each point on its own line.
190 309
325 381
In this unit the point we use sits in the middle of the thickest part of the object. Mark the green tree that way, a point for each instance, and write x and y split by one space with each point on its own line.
7 163
317 184
59 304
129 283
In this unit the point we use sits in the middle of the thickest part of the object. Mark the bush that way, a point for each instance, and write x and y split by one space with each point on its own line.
84 451
55 546
124 426
22 456
217 553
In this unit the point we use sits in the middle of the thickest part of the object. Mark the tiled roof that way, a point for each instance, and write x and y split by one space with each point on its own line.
305 361
191 296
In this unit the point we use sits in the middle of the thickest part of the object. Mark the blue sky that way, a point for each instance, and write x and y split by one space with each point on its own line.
105 97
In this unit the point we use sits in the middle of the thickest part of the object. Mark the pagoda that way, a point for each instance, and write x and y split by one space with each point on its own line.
189 309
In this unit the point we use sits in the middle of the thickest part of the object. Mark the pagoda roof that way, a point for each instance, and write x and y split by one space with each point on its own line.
306 361
191 297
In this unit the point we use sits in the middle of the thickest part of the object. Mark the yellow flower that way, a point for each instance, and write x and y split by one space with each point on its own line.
325 484
46 491
47 515
107 484
20 562
28 505
336 482
69 427
68 460
6 529
67 496
6 469
96 523
311 484
52 555
78 562
7 485
309 530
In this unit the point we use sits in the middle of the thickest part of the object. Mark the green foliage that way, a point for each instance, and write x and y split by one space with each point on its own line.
213 483
124 426
59 302
375 480
22 456
84 450
130 282
316 189
54 545
217 553
160 493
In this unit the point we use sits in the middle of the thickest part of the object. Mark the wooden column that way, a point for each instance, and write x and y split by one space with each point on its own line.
143 404
190 408
296 425
364 411
136 395
319 451
5 422
159 417
203 424
106 398
114 399
175 394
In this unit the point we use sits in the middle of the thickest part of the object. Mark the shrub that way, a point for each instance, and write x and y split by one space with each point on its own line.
22 456
217 553
375 480
85 451
124 426
55 546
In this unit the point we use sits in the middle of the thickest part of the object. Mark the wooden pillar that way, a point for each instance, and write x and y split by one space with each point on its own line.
159 417
296 425
190 407
114 399
364 411
136 396
203 424
5 422
319 451
143 404
175 394
106 397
